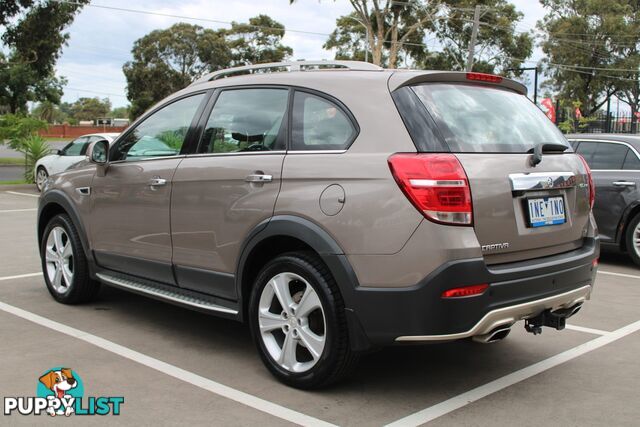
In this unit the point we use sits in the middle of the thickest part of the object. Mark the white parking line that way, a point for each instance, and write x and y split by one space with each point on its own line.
20 276
587 330
171 370
611 273
23 194
457 402
18 210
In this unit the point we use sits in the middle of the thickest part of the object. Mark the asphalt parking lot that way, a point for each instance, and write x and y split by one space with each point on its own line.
176 366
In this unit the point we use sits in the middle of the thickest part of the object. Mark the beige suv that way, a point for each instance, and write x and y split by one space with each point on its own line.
335 207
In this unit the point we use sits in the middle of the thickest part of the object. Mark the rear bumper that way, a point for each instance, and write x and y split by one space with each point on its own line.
516 291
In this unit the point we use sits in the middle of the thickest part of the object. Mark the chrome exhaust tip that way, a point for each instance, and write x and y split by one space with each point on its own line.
498 334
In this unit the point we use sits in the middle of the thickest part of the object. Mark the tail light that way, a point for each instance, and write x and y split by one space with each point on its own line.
592 187
436 184
466 291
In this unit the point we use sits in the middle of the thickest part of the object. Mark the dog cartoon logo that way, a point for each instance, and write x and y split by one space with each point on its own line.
60 382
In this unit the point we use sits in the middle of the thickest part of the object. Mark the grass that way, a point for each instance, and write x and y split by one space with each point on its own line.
14 182
13 161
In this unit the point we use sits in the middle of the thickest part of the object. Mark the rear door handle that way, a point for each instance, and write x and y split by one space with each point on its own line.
157 182
624 184
258 178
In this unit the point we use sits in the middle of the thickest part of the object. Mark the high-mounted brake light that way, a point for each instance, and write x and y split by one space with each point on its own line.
482 77
592 187
465 291
436 184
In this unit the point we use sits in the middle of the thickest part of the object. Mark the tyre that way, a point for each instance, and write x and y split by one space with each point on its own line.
64 263
297 320
632 239
41 178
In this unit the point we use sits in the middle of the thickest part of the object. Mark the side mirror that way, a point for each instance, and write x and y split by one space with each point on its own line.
98 152
60 152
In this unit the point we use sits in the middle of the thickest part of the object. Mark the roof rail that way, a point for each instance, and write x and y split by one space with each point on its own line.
287 67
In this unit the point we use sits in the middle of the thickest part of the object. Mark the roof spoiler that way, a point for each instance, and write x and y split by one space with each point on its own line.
408 78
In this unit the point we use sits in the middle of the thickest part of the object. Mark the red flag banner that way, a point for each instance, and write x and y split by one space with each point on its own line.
547 103
578 113
637 114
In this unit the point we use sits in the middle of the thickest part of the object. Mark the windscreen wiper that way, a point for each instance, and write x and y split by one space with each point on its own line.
545 147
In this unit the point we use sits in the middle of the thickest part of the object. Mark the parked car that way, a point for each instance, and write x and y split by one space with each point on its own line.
72 153
334 210
615 163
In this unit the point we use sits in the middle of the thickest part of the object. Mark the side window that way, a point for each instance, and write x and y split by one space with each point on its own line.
246 120
319 124
77 147
631 162
603 155
161 134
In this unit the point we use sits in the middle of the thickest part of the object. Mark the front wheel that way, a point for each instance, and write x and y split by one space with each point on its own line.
298 323
41 178
64 264
632 239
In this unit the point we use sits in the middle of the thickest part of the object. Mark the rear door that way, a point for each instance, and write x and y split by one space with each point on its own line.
222 193
520 210
615 172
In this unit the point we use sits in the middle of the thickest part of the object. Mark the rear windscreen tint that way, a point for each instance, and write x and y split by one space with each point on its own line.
473 118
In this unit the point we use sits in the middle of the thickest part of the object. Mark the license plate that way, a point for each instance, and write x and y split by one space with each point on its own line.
546 211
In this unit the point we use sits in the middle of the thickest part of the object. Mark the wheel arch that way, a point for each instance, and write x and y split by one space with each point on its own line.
54 203
630 212
286 233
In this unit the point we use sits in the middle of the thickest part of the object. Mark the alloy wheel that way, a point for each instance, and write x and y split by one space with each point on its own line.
636 239
292 322
41 178
59 259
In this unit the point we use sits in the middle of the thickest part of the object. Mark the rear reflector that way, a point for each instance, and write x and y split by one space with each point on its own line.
436 184
595 262
466 291
592 187
482 77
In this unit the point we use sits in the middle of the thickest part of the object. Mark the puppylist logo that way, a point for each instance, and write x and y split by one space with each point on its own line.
61 392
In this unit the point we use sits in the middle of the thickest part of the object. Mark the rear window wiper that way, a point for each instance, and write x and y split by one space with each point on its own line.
545 147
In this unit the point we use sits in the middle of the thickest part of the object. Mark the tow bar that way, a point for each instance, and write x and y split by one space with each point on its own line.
556 319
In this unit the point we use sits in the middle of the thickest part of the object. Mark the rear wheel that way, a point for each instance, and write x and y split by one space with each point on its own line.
41 178
297 321
632 239
64 264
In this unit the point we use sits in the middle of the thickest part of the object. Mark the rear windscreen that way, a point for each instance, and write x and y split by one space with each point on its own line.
472 118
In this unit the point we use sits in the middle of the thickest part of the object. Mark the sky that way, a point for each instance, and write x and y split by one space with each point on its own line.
101 39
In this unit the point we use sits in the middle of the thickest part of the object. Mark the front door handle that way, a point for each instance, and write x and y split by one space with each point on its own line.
624 184
258 178
157 181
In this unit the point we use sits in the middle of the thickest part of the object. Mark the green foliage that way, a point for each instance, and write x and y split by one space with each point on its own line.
49 112
18 128
34 148
90 108
32 40
173 139
120 112
572 124
595 36
258 41
165 61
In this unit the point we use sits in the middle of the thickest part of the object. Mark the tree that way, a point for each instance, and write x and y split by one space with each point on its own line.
258 41
587 43
391 27
120 112
499 46
34 31
49 112
90 108
165 61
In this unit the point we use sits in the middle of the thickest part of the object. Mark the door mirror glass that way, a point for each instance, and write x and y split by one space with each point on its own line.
98 152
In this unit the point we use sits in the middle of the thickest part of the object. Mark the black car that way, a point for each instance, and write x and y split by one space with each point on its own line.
614 160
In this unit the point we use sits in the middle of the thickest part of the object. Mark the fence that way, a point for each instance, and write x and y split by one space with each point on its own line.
68 131
603 123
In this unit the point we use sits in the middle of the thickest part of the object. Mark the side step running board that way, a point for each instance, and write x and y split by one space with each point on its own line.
165 293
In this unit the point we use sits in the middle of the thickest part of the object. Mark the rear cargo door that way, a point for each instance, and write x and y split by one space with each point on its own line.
522 209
